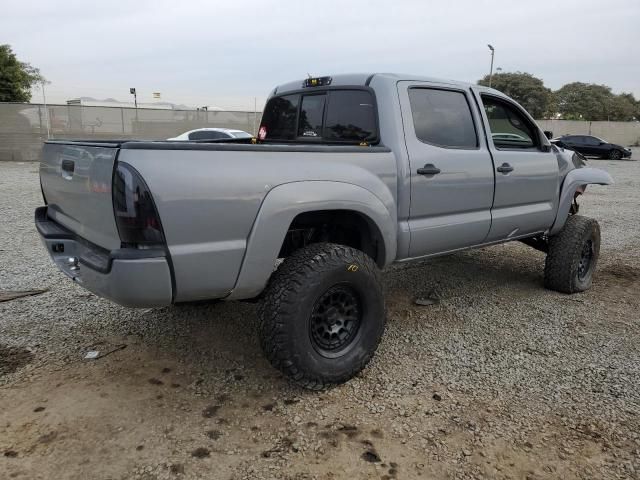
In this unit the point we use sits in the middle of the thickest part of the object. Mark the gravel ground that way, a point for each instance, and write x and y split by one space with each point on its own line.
500 379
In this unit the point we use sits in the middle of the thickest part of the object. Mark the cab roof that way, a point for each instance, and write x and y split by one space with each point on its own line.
364 79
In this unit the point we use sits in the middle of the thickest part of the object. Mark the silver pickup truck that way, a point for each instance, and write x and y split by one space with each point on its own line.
347 175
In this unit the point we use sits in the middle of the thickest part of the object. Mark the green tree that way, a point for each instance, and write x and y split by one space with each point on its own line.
16 77
587 101
624 108
524 88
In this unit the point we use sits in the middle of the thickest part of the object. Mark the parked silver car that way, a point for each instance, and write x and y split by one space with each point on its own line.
211 134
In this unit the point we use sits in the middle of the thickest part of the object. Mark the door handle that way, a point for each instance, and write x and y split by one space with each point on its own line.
505 168
428 169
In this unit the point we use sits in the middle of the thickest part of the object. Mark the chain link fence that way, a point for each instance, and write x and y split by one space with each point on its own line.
24 127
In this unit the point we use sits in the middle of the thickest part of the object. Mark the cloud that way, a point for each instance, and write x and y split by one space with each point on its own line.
227 53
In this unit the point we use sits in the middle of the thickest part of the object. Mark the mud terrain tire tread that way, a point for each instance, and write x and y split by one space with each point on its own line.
290 285
563 258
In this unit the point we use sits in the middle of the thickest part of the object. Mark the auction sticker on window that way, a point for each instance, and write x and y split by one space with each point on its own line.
262 133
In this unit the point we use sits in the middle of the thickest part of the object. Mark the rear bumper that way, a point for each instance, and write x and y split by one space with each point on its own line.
130 277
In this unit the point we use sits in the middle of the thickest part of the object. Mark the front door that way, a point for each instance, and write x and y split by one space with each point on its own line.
595 146
527 177
451 170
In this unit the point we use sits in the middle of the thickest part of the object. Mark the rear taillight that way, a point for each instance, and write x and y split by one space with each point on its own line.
136 215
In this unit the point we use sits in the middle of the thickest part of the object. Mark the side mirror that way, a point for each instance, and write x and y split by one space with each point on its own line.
548 134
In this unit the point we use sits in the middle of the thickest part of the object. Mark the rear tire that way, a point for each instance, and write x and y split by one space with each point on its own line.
322 315
573 255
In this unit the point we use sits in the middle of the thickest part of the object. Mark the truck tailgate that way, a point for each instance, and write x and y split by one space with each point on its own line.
76 182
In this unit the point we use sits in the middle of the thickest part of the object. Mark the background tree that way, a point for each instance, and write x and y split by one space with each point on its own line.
16 78
588 101
625 108
524 88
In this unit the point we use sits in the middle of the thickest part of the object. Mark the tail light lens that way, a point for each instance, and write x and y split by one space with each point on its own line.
136 214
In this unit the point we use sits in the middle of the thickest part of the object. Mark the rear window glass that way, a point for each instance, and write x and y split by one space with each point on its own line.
442 117
280 117
334 116
311 113
351 116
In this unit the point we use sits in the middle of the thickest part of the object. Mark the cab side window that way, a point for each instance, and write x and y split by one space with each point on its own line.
510 129
442 118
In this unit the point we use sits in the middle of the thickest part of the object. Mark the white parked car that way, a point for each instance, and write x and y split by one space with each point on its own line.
211 134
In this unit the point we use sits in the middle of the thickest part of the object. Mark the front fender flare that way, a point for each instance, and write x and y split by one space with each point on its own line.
575 179
283 204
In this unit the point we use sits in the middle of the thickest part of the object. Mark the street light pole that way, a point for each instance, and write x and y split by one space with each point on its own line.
132 91
491 69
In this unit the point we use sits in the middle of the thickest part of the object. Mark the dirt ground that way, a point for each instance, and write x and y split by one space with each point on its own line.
499 379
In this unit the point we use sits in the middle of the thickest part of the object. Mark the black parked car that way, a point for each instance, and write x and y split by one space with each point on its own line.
592 146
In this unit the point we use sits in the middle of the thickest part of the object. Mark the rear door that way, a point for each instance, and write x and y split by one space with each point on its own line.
526 189
76 182
451 170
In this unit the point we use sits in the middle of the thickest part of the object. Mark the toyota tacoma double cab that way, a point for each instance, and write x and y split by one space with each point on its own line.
348 174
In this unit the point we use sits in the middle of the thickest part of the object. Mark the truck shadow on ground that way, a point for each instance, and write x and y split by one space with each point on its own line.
221 337
472 272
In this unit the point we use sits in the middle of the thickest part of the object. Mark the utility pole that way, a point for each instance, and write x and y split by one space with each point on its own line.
255 115
491 69
46 110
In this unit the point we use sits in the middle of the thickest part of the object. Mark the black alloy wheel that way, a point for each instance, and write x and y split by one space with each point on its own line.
335 320
615 154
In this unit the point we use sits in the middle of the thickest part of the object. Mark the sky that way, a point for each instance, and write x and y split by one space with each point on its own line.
228 54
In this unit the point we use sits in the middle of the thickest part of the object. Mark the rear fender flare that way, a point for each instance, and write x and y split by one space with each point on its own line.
283 203
574 180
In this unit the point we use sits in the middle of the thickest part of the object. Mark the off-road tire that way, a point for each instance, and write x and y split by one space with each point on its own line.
563 270
289 307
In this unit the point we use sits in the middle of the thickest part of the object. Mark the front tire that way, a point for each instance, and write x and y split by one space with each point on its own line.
573 255
322 315
615 154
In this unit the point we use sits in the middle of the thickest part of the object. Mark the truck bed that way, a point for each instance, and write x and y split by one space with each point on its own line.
208 194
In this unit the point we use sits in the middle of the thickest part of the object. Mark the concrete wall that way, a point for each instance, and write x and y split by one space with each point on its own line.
622 133
23 127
